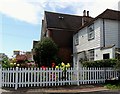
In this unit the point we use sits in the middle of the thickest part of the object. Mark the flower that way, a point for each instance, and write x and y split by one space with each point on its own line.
53 65
57 67
43 67
18 65
14 63
68 65
11 64
62 64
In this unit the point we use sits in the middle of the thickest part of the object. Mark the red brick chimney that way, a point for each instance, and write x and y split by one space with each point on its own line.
86 18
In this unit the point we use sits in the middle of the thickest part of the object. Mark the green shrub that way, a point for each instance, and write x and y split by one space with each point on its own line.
100 63
113 87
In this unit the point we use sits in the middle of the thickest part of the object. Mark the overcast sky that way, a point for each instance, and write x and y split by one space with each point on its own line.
20 20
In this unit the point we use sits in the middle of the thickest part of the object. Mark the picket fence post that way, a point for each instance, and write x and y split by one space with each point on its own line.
78 76
0 75
16 79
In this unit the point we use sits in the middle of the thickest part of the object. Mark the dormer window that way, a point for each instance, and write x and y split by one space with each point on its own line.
61 17
91 34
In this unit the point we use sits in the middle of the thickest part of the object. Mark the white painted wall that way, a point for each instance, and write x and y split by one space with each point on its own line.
75 60
99 53
111 37
111 33
84 44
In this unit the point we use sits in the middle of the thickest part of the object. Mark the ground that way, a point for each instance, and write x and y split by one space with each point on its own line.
82 89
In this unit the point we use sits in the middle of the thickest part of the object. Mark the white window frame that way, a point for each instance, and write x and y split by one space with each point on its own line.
91 54
76 40
91 32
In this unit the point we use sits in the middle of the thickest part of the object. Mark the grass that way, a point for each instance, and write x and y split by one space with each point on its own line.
113 87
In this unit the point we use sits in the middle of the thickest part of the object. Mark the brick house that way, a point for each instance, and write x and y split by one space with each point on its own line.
60 27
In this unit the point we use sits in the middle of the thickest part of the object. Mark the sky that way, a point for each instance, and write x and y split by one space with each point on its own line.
20 20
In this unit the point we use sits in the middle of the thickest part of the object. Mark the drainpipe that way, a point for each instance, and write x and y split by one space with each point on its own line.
103 33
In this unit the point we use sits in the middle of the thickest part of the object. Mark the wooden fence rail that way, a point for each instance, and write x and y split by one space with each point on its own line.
37 77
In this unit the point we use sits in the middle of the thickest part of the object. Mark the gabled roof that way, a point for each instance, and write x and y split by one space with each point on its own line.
110 14
107 14
63 21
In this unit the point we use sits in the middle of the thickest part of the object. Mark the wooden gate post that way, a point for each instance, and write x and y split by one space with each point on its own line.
0 75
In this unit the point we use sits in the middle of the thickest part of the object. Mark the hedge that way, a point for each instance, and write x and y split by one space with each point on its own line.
100 63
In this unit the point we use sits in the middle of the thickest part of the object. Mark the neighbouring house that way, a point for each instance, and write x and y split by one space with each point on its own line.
2 55
16 52
29 55
98 39
61 27
23 56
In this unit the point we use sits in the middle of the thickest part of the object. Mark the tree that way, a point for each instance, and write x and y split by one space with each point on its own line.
5 62
44 51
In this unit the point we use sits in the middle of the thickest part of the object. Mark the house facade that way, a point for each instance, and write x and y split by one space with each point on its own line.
98 39
60 27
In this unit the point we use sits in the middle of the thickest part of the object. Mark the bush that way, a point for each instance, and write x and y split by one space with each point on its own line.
115 86
100 63
45 50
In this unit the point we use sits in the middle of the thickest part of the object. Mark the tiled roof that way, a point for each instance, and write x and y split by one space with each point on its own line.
107 14
63 21
110 14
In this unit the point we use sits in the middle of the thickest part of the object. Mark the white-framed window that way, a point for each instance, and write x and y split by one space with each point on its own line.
76 40
91 55
91 34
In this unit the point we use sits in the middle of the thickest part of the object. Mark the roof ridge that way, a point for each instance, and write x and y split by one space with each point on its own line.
106 11
101 15
62 13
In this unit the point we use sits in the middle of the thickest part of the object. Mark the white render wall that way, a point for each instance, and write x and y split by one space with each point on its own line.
111 33
111 36
84 44
111 28
99 53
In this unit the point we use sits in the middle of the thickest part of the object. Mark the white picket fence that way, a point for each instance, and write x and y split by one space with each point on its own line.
37 77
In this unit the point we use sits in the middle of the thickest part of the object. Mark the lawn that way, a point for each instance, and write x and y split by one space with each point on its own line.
113 86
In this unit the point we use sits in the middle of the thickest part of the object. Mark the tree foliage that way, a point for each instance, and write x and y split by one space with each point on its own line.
45 50
5 62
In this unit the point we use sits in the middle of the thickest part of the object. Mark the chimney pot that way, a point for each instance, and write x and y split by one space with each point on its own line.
84 13
87 13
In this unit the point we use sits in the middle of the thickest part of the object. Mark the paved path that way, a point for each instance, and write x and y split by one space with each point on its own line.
61 90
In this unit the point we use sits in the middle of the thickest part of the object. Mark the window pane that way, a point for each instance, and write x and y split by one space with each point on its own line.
91 55
106 56
76 40
91 32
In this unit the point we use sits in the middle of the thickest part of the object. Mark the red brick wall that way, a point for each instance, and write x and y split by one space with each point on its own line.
65 55
63 39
